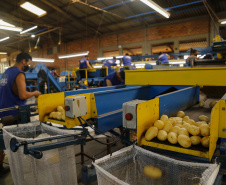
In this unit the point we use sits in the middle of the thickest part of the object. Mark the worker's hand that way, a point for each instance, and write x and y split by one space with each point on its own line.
37 93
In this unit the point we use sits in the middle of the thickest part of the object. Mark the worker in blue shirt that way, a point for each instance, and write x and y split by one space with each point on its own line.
193 56
13 91
110 62
126 60
84 64
115 78
163 59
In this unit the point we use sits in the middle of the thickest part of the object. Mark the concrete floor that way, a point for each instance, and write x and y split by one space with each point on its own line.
91 148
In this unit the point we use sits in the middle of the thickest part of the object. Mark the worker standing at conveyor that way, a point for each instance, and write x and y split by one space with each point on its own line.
193 55
84 64
115 78
163 59
110 62
13 91
126 60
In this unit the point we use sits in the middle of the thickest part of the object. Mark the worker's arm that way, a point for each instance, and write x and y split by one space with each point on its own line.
108 82
21 88
168 56
120 62
88 65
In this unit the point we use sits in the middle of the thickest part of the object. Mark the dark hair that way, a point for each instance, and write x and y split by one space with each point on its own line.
160 53
87 56
114 57
53 68
22 56
127 53
193 51
122 74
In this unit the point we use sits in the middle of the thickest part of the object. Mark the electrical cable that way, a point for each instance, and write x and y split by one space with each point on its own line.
95 130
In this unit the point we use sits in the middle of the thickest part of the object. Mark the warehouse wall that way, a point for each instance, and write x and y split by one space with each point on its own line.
144 38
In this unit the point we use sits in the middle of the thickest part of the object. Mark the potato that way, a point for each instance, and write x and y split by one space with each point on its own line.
174 129
51 115
185 118
193 130
172 120
178 120
212 104
58 116
204 130
168 125
151 133
183 131
199 123
54 115
172 137
162 135
179 125
164 118
203 118
159 124
184 141
152 172
60 109
185 125
191 122
201 103
195 140
181 114
63 117
205 141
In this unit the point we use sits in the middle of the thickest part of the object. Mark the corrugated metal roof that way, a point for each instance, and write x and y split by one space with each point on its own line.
78 20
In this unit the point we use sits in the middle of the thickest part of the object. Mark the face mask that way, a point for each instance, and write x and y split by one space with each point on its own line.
25 68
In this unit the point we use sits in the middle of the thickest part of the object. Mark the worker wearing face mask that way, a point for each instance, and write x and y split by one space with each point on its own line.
13 91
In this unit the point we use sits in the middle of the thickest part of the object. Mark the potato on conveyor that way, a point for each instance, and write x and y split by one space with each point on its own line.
162 135
203 118
152 172
151 133
58 115
159 124
172 137
201 103
195 140
186 125
184 141
60 109
168 125
183 131
178 120
205 141
51 115
199 123
164 118
191 122
172 120
185 118
175 129
205 130
54 115
193 130
181 114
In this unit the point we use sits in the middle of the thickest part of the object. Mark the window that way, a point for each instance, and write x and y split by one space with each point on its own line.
110 53
53 50
163 47
133 50
195 43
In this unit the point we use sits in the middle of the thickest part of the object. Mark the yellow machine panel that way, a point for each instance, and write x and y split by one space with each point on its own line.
214 76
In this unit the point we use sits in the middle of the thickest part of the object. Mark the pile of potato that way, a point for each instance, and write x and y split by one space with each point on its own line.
181 129
59 114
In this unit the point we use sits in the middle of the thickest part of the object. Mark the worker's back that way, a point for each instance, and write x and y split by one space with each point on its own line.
82 63
8 98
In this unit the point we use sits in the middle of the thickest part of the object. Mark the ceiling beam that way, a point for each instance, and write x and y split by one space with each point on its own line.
69 16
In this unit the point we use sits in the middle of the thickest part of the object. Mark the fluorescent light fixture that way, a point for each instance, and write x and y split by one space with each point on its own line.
107 58
33 9
33 36
97 66
156 7
3 53
186 56
3 23
42 60
4 39
73 55
29 29
18 29
222 21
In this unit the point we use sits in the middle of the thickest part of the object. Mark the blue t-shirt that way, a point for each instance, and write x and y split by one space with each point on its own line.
163 58
113 78
127 60
82 63
110 63
8 98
